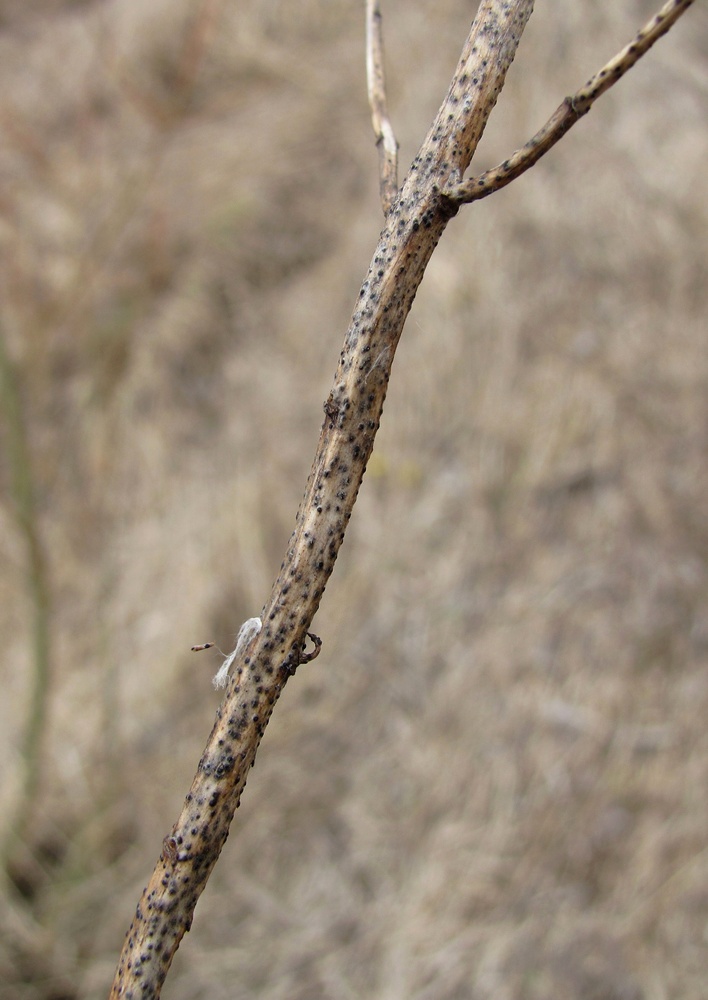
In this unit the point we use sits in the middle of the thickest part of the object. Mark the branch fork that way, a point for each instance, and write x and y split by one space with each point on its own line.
571 110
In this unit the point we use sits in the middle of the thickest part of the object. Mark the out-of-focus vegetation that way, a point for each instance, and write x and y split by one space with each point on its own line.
491 784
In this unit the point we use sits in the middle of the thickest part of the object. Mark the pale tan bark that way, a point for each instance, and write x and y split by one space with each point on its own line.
571 110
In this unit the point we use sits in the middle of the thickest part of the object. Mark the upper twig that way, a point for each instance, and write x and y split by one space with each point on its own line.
572 108
376 84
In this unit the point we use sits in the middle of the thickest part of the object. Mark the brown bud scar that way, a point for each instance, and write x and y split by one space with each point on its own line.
169 849
330 407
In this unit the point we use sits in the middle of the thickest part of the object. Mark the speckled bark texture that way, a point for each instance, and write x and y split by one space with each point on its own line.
571 110
352 412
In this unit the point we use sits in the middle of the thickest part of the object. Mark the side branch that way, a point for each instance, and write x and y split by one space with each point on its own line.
570 111
376 85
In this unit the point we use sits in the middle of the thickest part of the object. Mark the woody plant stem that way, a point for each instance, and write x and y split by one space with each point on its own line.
416 216
352 413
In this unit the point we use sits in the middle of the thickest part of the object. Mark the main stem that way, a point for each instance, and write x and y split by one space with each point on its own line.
353 408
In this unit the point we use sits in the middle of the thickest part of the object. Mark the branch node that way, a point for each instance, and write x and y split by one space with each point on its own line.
170 850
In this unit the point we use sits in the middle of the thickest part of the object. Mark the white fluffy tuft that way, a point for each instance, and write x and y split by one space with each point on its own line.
250 628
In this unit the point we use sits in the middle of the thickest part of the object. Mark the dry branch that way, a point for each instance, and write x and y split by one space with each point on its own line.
261 665
352 413
571 110
376 85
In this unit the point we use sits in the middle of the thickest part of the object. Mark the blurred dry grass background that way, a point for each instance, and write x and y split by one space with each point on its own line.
493 782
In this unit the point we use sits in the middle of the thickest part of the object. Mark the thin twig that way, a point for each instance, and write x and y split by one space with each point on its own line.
572 109
383 130
418 216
